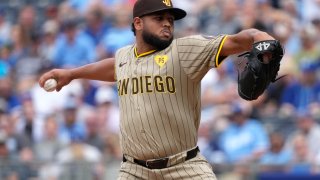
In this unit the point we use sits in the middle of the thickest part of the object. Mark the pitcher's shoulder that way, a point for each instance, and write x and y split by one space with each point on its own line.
198 37
125 49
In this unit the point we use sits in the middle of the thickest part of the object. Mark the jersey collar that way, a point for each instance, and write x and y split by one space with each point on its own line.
142 54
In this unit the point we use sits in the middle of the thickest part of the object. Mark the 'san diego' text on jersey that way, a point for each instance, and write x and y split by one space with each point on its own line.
146 84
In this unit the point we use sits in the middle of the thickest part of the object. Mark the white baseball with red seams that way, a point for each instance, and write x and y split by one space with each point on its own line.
50 85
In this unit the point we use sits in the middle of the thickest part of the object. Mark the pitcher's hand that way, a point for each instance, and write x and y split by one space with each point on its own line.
62 76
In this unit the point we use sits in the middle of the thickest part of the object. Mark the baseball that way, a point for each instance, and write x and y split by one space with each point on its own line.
50 85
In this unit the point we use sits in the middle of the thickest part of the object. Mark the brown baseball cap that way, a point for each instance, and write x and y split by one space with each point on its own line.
145 7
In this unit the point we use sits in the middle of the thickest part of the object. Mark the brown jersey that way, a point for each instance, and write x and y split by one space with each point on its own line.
159 95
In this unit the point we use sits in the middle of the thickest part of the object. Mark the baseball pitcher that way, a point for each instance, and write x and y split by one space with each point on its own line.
158 80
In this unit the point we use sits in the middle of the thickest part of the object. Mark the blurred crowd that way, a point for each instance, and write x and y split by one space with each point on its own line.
47 135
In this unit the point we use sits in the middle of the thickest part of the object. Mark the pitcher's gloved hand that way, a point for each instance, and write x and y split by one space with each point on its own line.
261 69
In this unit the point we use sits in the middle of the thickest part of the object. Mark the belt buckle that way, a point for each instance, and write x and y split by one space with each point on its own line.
155 164
147 163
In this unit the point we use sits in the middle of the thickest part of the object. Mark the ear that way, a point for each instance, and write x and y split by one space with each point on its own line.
138 23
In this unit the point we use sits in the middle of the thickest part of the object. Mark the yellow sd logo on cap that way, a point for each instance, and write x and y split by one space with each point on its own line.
167 2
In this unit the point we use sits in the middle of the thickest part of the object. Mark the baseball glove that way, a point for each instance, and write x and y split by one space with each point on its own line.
257 75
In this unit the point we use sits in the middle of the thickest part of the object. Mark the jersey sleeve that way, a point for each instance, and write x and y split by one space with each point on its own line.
198 53
120 53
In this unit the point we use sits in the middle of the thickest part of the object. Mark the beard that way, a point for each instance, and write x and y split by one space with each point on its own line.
154 41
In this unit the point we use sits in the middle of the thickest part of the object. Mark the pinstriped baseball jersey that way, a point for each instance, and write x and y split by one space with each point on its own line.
160 95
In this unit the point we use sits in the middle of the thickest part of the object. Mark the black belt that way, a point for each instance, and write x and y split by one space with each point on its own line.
163 162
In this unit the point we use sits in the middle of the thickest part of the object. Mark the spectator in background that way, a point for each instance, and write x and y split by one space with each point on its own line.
209 132
48 147
112 150
107 119
304 91
4 68
27 20
28 66
309 129
317 162
8 93
112 6
3 107
7 161
107 110
226 20
77 93
89 90
250 17
51 12
73 48
218 91
187 5
309 10
94 136
79 161
18 155
205 11
96 26
5 28
6 60
119 35
71 127
277 157
26 168
284 28
302 161
28 124
188 26
20 43
24 33
316 23
244 140
309 50
291 7
14 142
50 30
80 5
66 11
